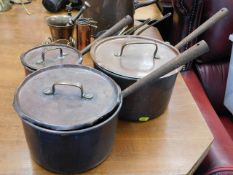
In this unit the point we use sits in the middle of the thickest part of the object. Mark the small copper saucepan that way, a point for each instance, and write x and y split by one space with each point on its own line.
57 54
62 26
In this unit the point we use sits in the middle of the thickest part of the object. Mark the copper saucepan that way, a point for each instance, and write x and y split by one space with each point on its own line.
127 59
71 129
55 54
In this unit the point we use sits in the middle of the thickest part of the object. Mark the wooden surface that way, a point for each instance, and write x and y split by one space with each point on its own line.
173 143
151 11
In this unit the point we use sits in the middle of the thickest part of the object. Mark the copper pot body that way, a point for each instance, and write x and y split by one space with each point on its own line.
59 28
83 35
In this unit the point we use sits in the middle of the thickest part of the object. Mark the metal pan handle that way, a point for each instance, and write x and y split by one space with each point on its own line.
83 8
61 54
185 57
203 27
51 91
154 23
132 43
114 29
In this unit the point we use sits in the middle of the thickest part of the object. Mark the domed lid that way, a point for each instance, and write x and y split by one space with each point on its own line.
50 55
132 56
66 97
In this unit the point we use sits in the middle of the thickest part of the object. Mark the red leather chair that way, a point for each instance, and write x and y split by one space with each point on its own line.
206 77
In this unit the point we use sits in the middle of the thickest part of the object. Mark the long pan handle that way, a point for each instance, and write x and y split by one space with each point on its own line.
114 29
83 8
185 57
203 27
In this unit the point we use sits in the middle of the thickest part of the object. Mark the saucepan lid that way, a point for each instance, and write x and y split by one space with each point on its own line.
49 55
66 97
131 56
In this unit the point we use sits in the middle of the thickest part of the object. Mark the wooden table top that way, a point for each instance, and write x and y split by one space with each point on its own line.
173 143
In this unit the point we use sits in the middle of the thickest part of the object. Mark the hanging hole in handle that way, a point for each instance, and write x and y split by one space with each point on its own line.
52 90
132 43
61 55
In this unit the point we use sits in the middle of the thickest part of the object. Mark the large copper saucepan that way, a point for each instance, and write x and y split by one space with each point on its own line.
128 59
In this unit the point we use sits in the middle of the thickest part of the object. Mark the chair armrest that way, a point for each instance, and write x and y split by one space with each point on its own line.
220 157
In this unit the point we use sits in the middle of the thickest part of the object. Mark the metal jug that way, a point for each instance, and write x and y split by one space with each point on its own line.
109 12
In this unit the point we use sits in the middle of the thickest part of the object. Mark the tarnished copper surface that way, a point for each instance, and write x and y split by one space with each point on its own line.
83 35
134 60
59 27
48 55
67 108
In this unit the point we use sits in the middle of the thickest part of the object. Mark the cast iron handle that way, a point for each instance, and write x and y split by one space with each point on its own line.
62 54
131 43
51 91
185 57
154 23
143 4
131 30
203 27
114 29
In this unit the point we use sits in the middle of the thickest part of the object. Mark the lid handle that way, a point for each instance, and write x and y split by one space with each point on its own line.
62 54
131 43
51 91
